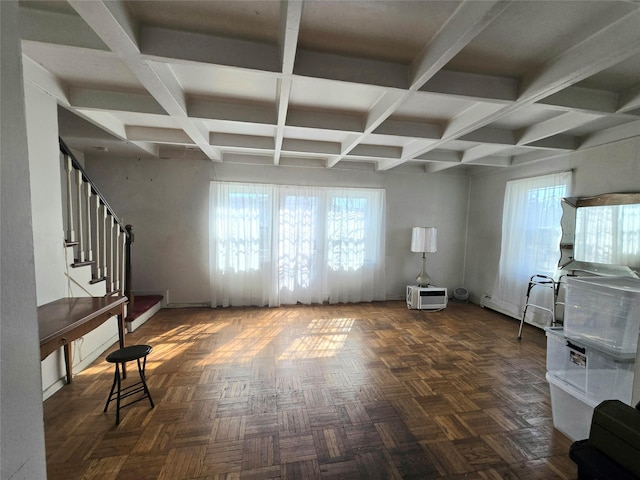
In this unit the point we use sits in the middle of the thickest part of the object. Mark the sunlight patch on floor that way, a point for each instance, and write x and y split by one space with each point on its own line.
324 338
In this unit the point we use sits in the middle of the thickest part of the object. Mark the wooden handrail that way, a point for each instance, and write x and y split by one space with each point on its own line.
66 151
119 269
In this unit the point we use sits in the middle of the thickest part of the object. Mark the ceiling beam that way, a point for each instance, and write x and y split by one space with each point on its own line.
290 28
450 156
611 45
492 161
479 152
205 108
498 136
322 120
629 99
555 126
115 101
57 28
242 141
473 86
162 44
291 15
614 134
409 129
114 26
583 99
282 104
107 122
42 79
172 136
607 47
387 103
469 19
436 167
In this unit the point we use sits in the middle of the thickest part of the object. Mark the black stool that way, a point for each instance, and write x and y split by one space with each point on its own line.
128 354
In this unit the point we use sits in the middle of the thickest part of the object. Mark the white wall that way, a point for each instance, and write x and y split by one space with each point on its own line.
22 428
166 201
46 197
609 168
55 278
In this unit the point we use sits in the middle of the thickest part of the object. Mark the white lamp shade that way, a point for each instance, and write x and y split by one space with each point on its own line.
424 239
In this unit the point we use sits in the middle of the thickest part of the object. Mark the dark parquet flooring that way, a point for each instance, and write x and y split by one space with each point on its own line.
362 391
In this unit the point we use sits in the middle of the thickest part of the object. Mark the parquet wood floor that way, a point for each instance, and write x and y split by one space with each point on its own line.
371 391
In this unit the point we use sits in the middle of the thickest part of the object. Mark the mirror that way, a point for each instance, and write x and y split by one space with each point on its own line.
581 213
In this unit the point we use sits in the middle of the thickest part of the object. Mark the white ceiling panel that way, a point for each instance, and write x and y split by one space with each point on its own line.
83 68
221 126
526 117
388 30
224 82
437 108
318 83
315 134
248 19
147 120
332 95
530 33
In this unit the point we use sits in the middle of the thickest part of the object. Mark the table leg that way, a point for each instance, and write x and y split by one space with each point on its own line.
67 360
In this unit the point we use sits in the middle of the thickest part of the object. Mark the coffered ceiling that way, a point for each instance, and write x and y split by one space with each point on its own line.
377 85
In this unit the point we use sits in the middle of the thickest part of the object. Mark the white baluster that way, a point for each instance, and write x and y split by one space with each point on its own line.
71 234
103 230
116 258
123 247
81 255
97 268
88 195
111 279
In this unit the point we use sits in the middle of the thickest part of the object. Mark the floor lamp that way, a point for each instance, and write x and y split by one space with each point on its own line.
424 240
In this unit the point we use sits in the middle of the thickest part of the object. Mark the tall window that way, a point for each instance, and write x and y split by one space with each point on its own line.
273 245
530 236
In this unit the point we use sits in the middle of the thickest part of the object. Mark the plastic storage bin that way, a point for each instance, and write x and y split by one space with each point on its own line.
571 410
597 374
604 311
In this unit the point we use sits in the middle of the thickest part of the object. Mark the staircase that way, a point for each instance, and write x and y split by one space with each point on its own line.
95 234
98 263
97 239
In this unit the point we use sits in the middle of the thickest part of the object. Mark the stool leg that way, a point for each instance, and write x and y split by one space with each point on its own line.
144 381
113 387
119 390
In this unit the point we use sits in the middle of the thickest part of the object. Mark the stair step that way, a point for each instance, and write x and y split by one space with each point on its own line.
67 243
144 307
93 281
77 264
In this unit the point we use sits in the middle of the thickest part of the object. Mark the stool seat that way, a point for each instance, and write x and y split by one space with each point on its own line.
128 354
120 357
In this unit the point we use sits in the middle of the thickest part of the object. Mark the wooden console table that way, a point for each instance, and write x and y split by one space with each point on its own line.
68 319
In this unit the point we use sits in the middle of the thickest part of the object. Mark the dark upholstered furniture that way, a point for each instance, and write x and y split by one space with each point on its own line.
612 450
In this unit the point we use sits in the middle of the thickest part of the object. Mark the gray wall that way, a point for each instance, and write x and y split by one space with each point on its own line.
22 428
166 200
609 168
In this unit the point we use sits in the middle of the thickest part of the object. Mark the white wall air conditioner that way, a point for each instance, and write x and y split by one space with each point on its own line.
426 298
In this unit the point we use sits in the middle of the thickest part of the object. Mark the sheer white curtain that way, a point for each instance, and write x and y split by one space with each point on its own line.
273 245
612 236
530 236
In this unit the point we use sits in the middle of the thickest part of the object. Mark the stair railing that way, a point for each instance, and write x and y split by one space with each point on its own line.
100 239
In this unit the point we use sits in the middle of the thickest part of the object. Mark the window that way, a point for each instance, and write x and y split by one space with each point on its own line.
285 244
530 236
